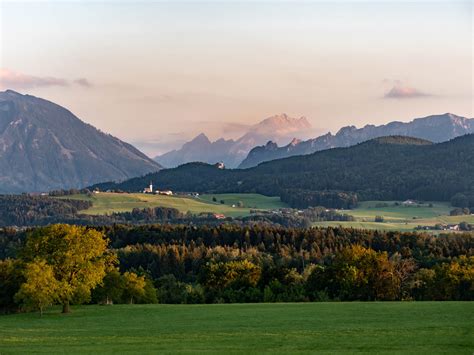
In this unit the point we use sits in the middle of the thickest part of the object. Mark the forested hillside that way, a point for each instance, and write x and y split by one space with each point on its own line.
389 168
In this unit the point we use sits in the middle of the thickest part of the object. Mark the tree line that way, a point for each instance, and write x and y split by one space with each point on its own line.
63 264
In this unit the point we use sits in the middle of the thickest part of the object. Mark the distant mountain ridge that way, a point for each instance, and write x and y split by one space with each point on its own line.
435 128
230 151
43 146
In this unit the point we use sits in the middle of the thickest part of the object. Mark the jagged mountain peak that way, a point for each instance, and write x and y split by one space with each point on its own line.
201 138
283 121
276 128
295 141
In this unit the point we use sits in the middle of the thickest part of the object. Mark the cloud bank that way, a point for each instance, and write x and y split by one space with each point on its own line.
10 79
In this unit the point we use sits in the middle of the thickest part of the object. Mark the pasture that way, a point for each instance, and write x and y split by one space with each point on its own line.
254 201
399 217
390 327
107 203
396 217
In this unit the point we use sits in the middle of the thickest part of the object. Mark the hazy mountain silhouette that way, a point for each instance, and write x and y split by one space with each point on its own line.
43 146
230 151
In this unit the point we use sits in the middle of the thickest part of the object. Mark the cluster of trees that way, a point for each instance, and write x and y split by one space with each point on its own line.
374 170
229 263
57 264
461 211
66 264
464 200
26 210
295 218
301 198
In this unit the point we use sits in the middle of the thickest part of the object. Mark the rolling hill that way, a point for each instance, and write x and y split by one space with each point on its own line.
43 146
388 168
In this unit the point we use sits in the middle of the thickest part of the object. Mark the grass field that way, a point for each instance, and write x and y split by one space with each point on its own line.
249 200
107 203
391 327
403 218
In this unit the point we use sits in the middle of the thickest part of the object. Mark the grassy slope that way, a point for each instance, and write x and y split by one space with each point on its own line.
104 203
402 218
427 327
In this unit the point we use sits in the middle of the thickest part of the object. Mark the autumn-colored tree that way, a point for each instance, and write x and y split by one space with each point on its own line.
357 273
454 280
241 273
40 289
77 255
134 286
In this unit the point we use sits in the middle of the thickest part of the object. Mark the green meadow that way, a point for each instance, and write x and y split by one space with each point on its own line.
107 203
403 218
256 201
385 327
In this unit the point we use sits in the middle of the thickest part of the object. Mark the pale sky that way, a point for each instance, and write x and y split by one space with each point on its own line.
156 73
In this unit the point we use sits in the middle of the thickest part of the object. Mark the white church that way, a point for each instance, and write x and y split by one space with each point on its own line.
149 190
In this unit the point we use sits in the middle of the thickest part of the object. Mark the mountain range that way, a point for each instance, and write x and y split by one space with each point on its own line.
43 146
232 152
436 128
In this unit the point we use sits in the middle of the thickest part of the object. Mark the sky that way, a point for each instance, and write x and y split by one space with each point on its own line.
156 73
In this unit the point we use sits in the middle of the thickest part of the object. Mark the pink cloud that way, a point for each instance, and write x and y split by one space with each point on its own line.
399 91
13 80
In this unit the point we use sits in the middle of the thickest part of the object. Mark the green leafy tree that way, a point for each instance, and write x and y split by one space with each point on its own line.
11 278
112 288
170 290
41 287
134 286
77 255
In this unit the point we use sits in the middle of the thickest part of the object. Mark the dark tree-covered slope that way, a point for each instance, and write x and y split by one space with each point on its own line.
435 128
384 168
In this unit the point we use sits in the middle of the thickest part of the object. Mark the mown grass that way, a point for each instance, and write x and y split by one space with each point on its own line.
391 327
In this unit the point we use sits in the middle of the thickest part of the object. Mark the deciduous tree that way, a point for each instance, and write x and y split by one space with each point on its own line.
41 287
77 255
